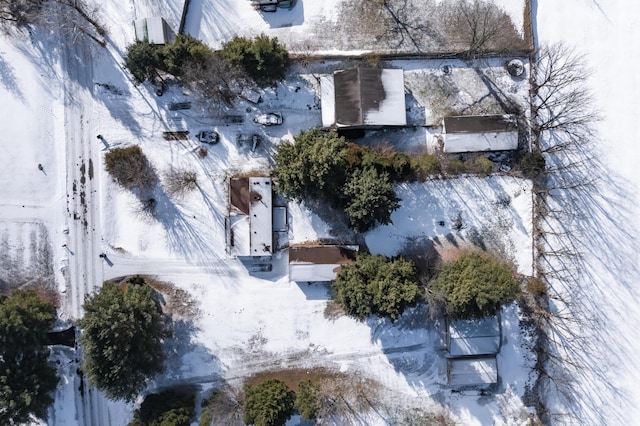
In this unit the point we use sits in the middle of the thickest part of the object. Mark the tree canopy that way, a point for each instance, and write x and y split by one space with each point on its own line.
169 408
312 166
263 58
476 285
376 285
370 199
308 399
27 379
269 403
123 331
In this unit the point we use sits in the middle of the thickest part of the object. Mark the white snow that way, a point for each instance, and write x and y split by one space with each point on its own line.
247 321
604 292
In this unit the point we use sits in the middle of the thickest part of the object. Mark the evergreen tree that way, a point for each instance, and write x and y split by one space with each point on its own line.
169 408
143 60
27 380
376 285
307 399
184 49
370 199
123 330
313 166
269 403
264 59
476 285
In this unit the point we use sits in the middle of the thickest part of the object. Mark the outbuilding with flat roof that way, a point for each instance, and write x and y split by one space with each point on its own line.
319 262
477 133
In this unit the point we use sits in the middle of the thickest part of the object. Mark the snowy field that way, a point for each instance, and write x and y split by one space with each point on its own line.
603 221
246 322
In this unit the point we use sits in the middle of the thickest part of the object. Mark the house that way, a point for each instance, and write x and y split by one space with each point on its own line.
475 133
362 98
472 346
249 224
472 371
154 30
319 262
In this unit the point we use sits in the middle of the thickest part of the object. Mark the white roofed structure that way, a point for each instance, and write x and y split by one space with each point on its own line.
249 225
473 337
476 133
153 29
363 97
475 371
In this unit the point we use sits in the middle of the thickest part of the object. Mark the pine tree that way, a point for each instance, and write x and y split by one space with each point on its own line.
264 59
27 379
370 199
143 60
376 285
269 403
122 335
476 285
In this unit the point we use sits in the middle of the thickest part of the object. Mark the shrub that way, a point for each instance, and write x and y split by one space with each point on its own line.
376 285
170 407
482 166
269 403
370 199
536 286
424 166
476 285
395 164
130 168
532 164
122 337
456 167
307 402
264 59
180 181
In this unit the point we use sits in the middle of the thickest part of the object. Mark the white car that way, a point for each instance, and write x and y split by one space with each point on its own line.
208 136
269 119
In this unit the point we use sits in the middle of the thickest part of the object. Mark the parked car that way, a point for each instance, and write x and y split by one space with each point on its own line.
269 119
269 8
208 136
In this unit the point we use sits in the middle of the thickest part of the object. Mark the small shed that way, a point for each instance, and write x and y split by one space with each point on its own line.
363 97
319 262
249 224
473 337
472 371
477 133
154 30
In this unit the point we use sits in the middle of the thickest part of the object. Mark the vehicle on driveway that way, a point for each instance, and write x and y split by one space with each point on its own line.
269 119
208 136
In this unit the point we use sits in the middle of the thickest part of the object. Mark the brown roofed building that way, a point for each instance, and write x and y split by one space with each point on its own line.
319 262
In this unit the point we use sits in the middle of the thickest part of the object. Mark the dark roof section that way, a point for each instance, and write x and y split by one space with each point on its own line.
357 91
480 123
239 194
322 254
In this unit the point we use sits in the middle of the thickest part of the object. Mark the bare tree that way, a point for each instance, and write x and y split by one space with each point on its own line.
480 26
215 79
562 100
18 13
179 181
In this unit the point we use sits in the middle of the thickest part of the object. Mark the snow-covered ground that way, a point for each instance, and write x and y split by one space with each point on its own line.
247 321
604 221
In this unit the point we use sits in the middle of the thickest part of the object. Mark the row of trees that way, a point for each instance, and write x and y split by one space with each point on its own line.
474 285
217 75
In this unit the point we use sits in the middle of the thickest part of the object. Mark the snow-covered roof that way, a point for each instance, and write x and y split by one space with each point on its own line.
319 262
250 221
472 371
473 337
153 29
474 133
363 97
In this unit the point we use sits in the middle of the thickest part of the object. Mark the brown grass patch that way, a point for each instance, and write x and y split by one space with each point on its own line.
333 310
293 376
177 302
